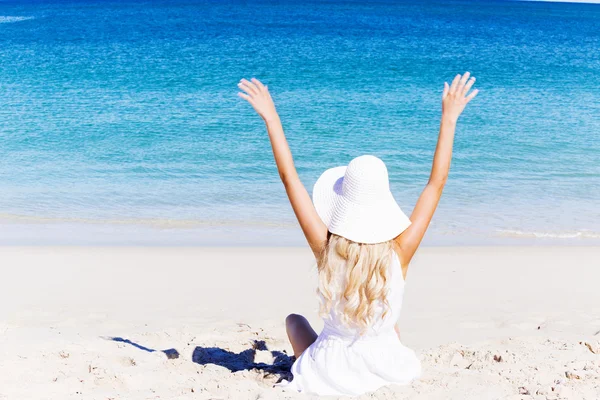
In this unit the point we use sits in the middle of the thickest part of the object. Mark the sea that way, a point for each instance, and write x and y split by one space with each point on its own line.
120 122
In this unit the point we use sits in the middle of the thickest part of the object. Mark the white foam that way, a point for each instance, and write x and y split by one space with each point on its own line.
583 234
7 19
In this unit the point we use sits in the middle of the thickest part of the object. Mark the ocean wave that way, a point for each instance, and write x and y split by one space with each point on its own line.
583 234
7 19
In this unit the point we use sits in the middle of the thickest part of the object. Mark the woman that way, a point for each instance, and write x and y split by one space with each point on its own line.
363 244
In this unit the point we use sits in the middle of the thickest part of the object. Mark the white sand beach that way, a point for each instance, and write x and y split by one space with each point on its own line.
207 323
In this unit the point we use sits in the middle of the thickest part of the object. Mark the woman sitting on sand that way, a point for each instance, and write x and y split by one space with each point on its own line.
363 244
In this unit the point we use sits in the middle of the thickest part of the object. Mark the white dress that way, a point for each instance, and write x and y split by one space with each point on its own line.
342 362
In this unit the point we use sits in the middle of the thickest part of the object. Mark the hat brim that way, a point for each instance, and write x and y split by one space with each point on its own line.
378 222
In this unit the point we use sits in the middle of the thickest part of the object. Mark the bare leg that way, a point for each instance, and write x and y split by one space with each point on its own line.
300 333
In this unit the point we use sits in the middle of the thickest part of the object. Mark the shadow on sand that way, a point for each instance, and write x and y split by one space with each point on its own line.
170 353
245 360
234 362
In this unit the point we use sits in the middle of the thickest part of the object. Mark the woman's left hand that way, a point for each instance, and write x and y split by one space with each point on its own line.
259 98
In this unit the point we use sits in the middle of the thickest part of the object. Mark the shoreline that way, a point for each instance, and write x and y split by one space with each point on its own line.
126 234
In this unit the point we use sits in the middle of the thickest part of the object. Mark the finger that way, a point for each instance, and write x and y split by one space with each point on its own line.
246 89
259 84
462 82
472 95
468 86
245 97
454 83
250 85
446 89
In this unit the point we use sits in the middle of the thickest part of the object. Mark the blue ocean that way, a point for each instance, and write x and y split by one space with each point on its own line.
120 121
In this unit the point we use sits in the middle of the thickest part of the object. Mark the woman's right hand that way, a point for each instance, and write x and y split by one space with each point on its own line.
259 98
456 97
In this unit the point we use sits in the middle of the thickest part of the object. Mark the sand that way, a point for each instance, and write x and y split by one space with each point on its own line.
207 323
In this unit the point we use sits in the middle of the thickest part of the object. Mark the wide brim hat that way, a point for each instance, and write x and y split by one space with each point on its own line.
355 202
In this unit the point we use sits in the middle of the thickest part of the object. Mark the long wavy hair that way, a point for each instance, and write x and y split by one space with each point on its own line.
354 277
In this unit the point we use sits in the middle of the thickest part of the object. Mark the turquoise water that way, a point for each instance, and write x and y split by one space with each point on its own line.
119 121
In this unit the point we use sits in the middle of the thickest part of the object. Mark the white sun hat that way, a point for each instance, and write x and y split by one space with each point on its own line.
355 202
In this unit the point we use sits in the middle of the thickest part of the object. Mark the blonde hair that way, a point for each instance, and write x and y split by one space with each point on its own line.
356 275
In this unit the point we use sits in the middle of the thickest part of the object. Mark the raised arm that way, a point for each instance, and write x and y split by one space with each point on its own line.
454 99
314 229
